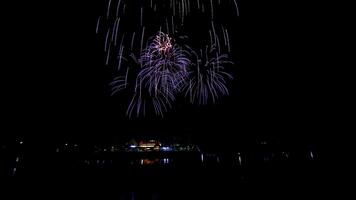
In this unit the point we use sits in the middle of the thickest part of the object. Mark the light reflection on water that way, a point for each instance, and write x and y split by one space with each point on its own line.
154 161
238 160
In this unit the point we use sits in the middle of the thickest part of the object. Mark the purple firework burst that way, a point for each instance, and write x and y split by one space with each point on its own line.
209 79
164 66
154 71
164 72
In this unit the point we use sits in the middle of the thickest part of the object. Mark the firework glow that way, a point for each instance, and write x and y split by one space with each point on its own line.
155 60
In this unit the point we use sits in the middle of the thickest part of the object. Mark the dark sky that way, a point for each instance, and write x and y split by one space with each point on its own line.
55 83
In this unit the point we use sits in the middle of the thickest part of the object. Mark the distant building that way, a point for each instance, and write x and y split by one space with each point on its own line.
150 145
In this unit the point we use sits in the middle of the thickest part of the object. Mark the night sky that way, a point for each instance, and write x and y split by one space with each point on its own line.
59 125
55 84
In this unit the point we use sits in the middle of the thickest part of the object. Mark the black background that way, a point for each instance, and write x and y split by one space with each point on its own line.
54 85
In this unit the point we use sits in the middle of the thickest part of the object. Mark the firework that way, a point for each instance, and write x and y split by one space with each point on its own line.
164 65
162 76
160 102
208 80
153 58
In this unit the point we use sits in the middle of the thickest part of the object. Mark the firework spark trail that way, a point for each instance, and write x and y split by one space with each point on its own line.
117 23
141 19
120 58
117 8
212 9
189 6
131 105
228 41
114 30
214 32
132 40
237 8
172 21
126 76
124 10
106 40
118 84
167 26
142 36
108 10
108 55
218 45
174 8
97 25
224 34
